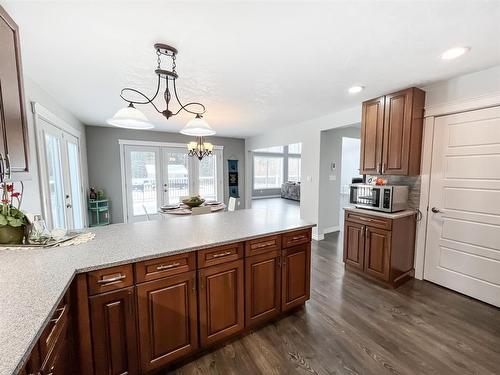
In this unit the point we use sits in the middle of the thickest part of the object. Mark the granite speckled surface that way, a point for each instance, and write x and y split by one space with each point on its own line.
388 215
33 281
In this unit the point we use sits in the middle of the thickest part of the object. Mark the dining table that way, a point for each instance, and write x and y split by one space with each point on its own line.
186 210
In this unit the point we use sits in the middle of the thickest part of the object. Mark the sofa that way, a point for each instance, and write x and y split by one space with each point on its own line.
291 190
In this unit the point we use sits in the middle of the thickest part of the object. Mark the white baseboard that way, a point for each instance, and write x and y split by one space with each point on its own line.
266 196
331 229
318 237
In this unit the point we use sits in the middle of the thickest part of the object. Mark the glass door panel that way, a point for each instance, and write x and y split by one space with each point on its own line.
176 169
75 205
55 181
142 181
207 187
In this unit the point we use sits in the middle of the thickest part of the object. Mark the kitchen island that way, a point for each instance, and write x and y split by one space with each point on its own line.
132 273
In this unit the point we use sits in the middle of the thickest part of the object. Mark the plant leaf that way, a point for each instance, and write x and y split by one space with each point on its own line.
3 220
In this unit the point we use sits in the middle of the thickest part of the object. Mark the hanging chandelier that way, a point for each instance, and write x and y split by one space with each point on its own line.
131 118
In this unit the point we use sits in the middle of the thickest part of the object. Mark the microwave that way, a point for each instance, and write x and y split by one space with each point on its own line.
387 198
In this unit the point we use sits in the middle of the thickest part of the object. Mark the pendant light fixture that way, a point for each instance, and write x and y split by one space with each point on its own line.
131 118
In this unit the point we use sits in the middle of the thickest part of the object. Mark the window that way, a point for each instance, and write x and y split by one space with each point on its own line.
268 172
272 150
293 169
208 178
295 148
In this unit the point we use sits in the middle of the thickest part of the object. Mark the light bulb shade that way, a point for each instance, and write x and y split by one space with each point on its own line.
208 146
198 127
130 118
192 145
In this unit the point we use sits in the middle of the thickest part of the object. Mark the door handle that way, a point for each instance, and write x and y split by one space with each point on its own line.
435 210
68 205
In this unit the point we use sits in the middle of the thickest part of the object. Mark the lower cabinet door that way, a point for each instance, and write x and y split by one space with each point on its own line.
295 276
114 335
377 252
262 287
167 315
354 244
221 301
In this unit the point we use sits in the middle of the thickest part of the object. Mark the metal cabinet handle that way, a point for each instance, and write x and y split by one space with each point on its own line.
61 313
8 167
2 169
265 244
222 254
111 279
383 168
295 238
167 266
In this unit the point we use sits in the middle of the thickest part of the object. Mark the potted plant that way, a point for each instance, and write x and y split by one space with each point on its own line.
12 219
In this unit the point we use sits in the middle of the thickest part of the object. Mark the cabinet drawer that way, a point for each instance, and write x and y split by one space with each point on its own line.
109 279
374 221
54 328
167 266
262 245
56 353
296 238
220 254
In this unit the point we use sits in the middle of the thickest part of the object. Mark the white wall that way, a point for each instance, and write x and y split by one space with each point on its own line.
309 133
34 93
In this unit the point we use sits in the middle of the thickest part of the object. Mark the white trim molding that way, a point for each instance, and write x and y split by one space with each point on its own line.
484 101
40 111
132 142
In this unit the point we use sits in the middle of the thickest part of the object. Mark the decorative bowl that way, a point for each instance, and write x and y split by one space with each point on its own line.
193 201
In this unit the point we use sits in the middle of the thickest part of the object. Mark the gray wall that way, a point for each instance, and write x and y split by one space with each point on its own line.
329 191
103 152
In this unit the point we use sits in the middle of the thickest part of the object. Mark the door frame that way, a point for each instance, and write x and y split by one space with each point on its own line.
42 113
431 113
161 145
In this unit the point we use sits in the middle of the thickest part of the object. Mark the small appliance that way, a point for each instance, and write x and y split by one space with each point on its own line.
386 198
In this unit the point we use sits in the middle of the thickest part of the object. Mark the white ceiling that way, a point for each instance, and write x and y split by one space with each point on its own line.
256 65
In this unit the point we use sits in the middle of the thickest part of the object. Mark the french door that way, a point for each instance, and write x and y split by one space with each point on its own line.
60 176
158 175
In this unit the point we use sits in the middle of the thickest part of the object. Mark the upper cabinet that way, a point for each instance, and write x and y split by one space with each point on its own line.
391 133
13 126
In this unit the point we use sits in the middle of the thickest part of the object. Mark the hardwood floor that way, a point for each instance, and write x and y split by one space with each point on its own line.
351 326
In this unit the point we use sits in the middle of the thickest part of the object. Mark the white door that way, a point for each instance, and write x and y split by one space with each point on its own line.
463 236
60 175
176 173
142 178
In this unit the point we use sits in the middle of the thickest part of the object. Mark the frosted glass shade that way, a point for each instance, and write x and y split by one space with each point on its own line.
130 118
198 127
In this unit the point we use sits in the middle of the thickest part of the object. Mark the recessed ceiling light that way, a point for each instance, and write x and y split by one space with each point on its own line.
454 52
355 89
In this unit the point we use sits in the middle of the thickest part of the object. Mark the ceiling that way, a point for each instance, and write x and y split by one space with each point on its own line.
256 65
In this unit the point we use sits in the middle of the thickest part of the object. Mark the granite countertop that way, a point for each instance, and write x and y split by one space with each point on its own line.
388 215
33 281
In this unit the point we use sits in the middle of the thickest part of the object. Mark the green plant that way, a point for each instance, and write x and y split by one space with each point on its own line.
11 214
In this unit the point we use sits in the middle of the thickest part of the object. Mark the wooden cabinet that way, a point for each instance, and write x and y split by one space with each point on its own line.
296 276
167 315
391 133
114 335
221 304
377 251
262 287
354 244
372 130
13 125
379 247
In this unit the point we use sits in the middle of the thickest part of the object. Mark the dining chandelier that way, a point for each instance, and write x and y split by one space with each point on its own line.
131 118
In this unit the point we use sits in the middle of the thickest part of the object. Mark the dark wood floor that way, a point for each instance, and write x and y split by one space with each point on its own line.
351 326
